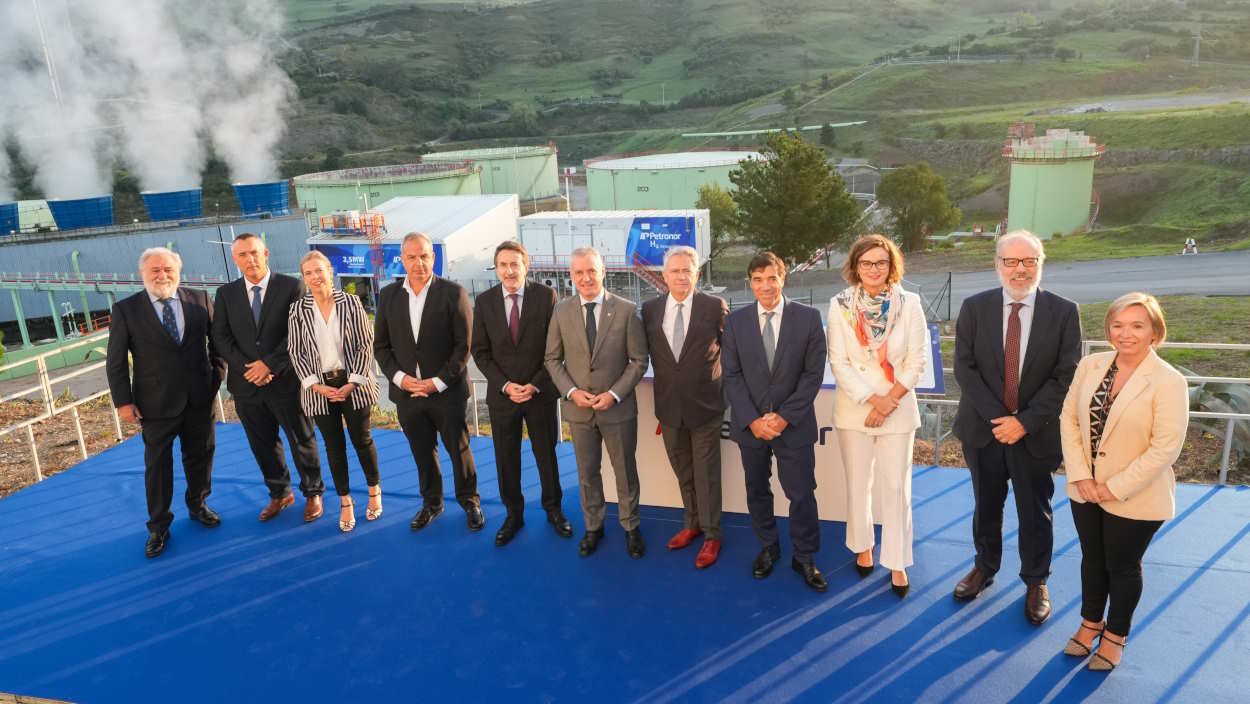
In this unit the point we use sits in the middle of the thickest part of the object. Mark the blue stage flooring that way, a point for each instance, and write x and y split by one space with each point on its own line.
292 612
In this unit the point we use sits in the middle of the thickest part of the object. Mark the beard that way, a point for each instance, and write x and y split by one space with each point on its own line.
161 290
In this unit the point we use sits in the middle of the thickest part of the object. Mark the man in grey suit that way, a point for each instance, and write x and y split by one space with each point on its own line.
596 354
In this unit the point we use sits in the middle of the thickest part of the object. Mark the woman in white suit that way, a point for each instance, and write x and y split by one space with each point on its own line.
877 352
1123 425
330 341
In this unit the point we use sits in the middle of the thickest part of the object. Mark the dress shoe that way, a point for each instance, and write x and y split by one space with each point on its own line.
205 516
707 554
508 530
590 542
763 565
1037 604
424 516
900 590
560 524
276 506
972 584
634 544
811 574
1100 662
312 509
684 537
473 514
156 543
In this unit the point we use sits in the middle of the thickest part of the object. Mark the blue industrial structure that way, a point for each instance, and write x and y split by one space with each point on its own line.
173 205
8 219
79 213
272 198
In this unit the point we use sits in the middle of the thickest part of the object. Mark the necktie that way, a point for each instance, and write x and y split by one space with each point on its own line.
256 306
1011 360
770 339
514 318
590 325
168 320
679 332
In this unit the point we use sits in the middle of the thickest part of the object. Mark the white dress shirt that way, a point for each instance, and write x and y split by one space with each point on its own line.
263 283
507 311
1026 321
176 304
670 316
416 306
329 336
760 310
598 301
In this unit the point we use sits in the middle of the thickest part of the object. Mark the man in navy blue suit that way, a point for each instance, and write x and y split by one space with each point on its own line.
773 356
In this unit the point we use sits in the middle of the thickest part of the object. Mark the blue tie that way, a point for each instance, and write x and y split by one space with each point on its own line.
168 320
256 306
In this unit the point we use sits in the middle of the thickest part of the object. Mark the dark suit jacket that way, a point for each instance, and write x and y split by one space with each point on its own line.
240 342
688 390
790 391
442 351
1050 360
502 360
168 376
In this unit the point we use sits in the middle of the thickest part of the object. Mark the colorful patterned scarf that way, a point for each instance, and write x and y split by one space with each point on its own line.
872 318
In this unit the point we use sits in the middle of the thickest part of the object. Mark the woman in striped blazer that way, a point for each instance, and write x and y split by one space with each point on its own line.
330 340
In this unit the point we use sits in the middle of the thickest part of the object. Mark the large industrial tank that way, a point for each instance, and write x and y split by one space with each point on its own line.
1052 180
345 189
173 205
269 198
529 172
79 213
659 181
9 223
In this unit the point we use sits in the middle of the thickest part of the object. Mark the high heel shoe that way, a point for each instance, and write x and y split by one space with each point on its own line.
1099 662
372 514
347 526
900 590
864 570
1078 649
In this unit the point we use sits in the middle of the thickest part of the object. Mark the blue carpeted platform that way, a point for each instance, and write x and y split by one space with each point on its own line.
292 612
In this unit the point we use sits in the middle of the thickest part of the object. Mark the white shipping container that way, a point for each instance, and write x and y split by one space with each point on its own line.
551 237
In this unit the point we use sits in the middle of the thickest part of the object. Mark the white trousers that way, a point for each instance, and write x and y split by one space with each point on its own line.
887 458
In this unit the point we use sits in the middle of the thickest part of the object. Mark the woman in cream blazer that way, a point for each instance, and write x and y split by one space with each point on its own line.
876 333
1123 425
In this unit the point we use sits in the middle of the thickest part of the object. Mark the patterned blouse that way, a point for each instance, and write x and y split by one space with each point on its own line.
1099 407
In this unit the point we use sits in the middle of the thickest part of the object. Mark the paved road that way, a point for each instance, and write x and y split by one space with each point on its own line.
1218 273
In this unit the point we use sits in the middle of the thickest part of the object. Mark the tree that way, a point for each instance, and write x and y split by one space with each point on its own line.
1063 53
825 83
723 212
828 137
788 99
916 199
333 160
791 202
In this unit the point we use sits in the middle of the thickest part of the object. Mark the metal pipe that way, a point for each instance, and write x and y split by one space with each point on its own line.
1228 449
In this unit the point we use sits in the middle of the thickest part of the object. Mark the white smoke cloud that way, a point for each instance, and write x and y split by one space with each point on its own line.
146 82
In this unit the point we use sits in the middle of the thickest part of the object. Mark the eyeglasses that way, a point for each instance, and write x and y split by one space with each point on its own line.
1013 262
881 265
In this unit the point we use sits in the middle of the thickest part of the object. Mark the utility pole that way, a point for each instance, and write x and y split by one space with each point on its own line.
1197 44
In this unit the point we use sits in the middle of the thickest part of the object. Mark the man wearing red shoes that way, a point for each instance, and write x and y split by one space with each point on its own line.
683 331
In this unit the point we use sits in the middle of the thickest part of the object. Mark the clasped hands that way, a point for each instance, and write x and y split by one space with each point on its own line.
882 406
418 388
599 402
1093 492
335 395
519 393
258 373
768 426
1008 430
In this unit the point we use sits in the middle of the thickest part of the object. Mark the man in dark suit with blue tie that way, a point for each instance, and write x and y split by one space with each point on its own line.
1016 349
773 355
164 331
250 330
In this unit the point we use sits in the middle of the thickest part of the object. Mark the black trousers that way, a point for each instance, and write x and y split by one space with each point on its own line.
423 421
197 435
1111 551
357 422
539 417
796 469
1034 487
261 416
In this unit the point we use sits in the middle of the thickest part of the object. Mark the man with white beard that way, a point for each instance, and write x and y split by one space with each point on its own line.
163 333
1016 349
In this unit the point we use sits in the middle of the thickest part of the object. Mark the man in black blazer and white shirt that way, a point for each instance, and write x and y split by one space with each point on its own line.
509 340
250 331
1016 349
164 329
421 341
683 329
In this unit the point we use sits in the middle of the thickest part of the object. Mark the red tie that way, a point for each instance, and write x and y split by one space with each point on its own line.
514 319
1011 360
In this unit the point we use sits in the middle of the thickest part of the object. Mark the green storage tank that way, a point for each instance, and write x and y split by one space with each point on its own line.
658 181
529 172
331 191
1052 181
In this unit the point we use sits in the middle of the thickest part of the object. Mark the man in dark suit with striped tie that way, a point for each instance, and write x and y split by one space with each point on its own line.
1016 349
508 343
164 329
